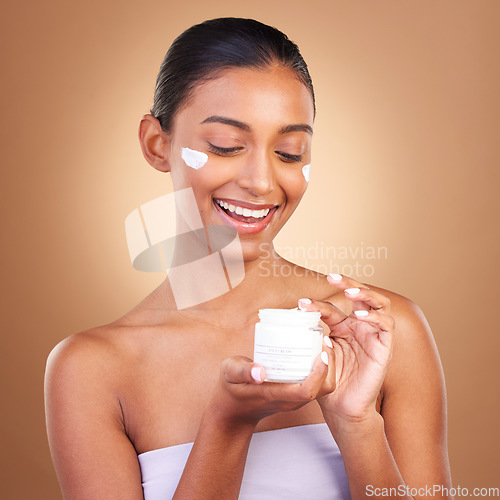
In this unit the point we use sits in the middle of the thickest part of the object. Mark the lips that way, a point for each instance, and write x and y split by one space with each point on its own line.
246 218
234 210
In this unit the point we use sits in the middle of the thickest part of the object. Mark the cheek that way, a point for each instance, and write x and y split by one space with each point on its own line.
194 159
191 168
211 176
293 183
204 181
306 171
184 163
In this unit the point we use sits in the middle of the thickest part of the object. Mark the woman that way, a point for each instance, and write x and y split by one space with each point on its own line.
127 398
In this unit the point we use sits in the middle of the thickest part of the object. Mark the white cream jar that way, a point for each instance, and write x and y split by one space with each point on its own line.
287 341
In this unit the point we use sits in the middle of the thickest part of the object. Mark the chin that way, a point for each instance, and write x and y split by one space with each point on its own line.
255 250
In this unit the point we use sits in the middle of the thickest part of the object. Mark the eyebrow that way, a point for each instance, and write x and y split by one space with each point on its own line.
296 128
243 126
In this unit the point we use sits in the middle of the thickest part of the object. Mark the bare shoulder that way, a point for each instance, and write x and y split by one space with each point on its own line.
84 373
400 305
94 351
414 345
414 396
94 342
89 445
117 345
412 330
109 354
415 374
106 367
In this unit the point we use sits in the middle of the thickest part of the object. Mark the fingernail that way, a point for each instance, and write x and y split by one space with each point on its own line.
256 374
303 302
361 313
352 291
324 357
328 341
335 276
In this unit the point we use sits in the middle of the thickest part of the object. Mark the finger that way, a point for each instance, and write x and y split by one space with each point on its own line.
382 321
369 297
330 314
343 282
309 388
302 392
346 283
327 356
241 370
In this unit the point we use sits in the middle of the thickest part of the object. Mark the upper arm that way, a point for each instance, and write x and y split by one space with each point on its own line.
92 454
414 402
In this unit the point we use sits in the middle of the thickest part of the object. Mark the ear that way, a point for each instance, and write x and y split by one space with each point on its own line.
154 143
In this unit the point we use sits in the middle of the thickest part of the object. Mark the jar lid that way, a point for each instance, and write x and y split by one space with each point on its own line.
292 317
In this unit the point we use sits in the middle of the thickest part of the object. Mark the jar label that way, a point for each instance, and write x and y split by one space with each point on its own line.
286 357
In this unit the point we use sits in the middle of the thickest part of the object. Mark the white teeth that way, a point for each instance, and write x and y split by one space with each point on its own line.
246 212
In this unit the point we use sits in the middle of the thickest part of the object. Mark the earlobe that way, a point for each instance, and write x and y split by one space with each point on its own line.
154 143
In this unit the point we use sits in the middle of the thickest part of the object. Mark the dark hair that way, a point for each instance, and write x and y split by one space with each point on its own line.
204 50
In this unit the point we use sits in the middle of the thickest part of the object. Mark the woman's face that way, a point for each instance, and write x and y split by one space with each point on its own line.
255 126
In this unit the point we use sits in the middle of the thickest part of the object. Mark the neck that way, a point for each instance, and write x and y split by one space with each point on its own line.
262 287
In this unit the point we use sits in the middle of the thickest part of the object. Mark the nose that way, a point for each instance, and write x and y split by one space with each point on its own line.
257 175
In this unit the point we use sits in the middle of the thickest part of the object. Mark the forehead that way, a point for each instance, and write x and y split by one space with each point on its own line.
273 95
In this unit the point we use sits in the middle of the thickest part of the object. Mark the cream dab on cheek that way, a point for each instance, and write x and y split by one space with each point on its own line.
306 172
194 159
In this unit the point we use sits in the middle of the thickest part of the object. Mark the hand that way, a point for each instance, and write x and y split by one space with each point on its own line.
362 348
242 397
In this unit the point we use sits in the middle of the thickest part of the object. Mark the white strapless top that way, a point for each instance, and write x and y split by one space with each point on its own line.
300 463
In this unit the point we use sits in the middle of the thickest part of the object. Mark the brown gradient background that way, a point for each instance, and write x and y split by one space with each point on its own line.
406 157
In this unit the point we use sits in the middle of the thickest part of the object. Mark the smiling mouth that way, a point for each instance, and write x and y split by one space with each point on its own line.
244 214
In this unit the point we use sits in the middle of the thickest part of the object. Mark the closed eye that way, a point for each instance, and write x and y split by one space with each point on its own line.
224 151
288 158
